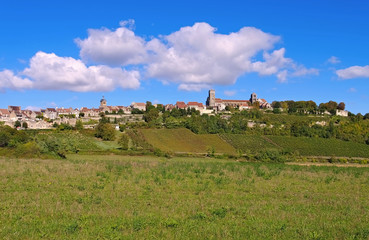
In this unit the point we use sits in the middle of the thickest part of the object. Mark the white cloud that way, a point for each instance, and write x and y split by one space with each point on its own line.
334 60
230 93
10 81
194 56
193 87
52 72
353 72
282 76
197 55
119 47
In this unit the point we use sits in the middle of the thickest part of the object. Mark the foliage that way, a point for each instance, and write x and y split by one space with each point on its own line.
123 141
79 125
105 131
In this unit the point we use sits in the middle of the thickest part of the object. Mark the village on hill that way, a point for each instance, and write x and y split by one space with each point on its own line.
48 118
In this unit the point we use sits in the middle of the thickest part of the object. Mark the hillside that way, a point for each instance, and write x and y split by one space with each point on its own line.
183 140
303 145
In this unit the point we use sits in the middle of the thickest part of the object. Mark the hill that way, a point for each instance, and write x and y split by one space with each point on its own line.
183 140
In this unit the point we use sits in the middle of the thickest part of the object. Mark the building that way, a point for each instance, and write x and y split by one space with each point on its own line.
181 105
221 104
139 106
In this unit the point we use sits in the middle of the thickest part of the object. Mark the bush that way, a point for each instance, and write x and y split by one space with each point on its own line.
29 149
271 155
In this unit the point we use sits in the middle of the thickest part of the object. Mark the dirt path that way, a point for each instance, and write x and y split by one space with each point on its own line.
328 164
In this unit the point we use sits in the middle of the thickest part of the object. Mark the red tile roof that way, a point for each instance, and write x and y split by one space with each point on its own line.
181 105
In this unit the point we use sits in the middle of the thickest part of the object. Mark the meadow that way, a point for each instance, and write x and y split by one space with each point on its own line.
125 197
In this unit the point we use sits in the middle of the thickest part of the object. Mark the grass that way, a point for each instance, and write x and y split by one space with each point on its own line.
183 140
121 197
305 146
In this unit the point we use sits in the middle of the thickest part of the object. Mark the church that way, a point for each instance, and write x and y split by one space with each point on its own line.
221 104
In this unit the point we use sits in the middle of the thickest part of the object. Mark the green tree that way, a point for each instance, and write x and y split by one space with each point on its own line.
341 106
25 125
123 141
105 131
4 138
151 115
79 125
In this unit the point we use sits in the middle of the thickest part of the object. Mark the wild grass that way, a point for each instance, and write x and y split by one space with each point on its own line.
183 140
123 197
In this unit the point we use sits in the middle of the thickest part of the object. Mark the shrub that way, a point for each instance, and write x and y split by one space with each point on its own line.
29 149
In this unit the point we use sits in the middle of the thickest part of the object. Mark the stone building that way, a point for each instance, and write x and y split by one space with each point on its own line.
221 104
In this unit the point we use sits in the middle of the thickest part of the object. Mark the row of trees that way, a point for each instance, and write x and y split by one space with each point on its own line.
309 106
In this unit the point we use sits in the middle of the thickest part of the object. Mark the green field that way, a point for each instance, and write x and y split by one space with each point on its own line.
121 197
305 146
183 140
322 147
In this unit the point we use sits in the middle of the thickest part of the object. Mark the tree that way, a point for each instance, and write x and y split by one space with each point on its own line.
123 141
341 106
79 125
276 104
105 131
25 125
17 124
151 115
4 138
81 114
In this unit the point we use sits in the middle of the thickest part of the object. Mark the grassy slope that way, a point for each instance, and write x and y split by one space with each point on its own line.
322 147
305 146
115 197
183 140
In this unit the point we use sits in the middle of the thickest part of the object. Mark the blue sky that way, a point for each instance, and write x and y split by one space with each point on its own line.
71 53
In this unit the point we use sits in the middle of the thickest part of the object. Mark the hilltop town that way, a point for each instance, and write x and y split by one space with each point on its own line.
49 117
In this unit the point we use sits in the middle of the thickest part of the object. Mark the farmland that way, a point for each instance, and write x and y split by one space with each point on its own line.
111 197
183 140
303 145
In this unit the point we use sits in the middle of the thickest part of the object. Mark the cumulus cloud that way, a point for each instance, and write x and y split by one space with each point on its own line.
194 56
119 47
353 72
10 81
334 60
51 72
197 56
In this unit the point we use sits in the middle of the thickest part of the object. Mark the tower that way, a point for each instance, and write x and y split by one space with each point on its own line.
253 98
211 98
103 103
